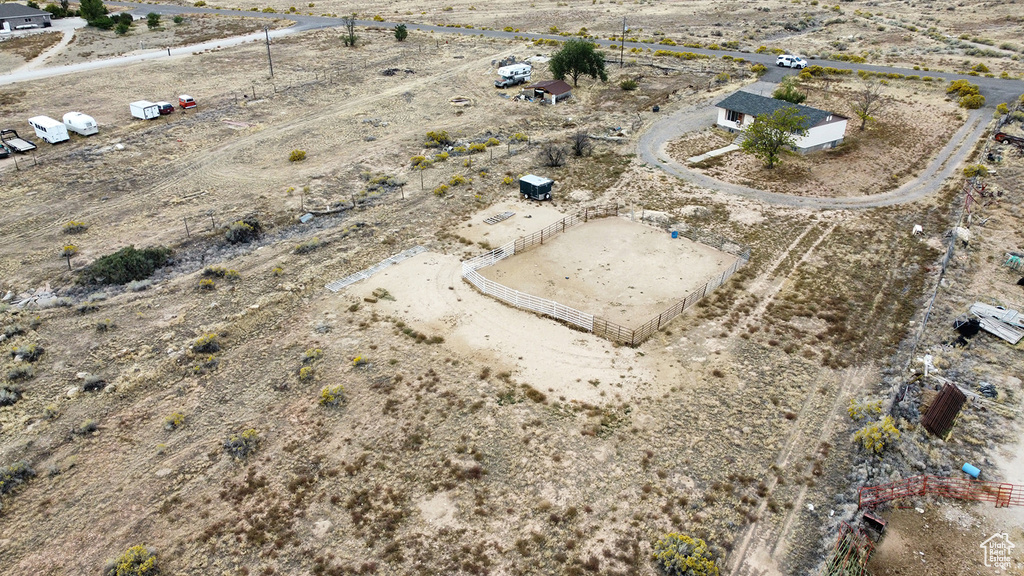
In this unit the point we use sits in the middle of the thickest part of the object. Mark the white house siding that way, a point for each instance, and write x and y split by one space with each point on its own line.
823 136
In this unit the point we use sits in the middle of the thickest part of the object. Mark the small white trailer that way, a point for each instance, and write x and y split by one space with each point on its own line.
80 123
49 129
513 74
144 109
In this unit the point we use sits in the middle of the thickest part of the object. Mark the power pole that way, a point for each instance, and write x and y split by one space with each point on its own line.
622 45
266 30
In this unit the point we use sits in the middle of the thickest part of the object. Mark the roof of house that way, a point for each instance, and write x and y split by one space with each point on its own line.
556 87
756 105
15 10
944 410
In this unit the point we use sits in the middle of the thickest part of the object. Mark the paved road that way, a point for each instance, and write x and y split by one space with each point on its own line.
651 148
995 89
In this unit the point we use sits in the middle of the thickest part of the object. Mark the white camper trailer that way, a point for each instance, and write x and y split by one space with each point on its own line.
80 123
49 129
513 74
144 109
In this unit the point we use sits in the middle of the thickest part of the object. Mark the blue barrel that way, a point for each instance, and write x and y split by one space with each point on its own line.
675 234
972 470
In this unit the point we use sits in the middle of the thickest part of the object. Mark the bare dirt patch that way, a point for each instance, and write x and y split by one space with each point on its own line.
697 143
22 48
613 268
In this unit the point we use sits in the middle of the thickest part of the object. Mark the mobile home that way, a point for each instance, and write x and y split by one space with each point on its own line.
144 109
49 129
80 123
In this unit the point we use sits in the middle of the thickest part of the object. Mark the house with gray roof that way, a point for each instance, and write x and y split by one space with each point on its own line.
824 129
14 16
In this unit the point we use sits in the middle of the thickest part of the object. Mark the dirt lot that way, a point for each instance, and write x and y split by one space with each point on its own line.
623 271
24 47
470 438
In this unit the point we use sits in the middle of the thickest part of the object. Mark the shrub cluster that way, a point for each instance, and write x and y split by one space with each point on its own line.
968 94
681 555
308 246
126 265
875 436
136 561
244 230
297 156
206 344
174 421
75 227
332 395
437 138
242 445
14 475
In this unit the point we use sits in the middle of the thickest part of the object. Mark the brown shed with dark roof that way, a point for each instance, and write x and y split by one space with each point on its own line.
553 90
943 411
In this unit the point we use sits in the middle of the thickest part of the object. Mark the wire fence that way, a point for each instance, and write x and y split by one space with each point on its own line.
599 326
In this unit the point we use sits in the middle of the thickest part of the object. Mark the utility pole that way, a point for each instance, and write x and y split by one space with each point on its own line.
266 31
622 45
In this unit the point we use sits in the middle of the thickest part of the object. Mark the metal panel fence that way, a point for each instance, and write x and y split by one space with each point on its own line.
599 326
353 278
1001 493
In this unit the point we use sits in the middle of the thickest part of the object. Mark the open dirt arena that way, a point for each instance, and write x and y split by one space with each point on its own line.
619 270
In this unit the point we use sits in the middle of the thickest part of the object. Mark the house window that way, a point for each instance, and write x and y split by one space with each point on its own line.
733 116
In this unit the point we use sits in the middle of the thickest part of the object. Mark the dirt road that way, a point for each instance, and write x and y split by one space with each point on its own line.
651 148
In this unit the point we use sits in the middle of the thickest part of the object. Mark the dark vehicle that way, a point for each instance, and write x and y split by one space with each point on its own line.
10 139
165 108
1004 138
3 151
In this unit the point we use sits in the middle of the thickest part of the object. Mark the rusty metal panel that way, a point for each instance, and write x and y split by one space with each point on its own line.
944 410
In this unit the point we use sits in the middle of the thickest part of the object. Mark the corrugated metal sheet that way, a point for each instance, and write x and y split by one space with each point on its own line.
1013 317
944 410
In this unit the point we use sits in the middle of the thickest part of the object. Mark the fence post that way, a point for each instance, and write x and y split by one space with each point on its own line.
563 225
659 320
542 236
586 212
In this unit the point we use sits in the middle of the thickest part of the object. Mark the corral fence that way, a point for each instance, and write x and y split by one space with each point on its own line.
1002 494
589 322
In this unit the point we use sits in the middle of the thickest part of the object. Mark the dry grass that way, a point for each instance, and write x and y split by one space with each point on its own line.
31 45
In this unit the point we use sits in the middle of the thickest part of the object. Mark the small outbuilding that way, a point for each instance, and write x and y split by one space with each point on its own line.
551 91
824 129
535 187
14 16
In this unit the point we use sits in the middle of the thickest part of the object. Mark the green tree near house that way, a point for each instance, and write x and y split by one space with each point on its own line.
577 58
769 133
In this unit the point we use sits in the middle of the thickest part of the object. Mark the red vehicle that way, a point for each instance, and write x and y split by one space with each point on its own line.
165 108
186 101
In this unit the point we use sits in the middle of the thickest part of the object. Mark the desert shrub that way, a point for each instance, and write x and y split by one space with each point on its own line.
477 147
438 138
459 149
1003 108
29 353
861 410
75 227
759 69
722 78
122 28
138 285
681 555
306 374
975 170
9 395
417 160
136 561
199 3
962 88
93 383
232 275
520 137
332 395
312 355
207 284
457 179
214 272
359 361
105 325
297 156
242 445
441 190
492 142
174 421
206 344
205 365
277 271
552 155
972 102
308 246
440 157
153 20
508 180
14 475
12 330
179 19
788 92
980 68
629 84
244 230
86 427
20 373
875 436
125 265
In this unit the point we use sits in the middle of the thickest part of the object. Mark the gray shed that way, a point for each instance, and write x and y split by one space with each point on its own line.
535 187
